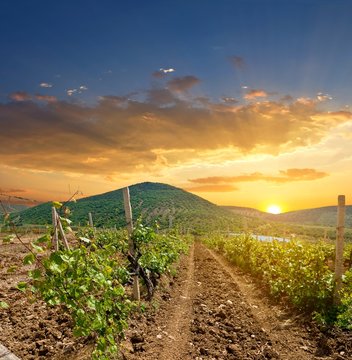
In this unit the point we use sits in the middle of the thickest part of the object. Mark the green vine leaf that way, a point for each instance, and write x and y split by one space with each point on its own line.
29 259
4 305
22 286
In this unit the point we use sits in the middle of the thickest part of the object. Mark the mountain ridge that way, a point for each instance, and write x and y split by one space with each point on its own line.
151 201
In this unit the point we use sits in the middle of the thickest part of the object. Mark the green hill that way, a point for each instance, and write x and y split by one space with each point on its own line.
151 201
325 216
246 211
12 207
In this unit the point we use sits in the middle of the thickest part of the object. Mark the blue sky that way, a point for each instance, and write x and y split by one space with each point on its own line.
112 47
222 98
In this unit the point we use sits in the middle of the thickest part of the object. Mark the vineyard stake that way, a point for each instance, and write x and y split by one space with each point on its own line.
90 219
170 222
61 230
55 238
341 210
128 213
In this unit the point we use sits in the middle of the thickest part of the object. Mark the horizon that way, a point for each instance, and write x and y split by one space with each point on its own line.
242 103
11 200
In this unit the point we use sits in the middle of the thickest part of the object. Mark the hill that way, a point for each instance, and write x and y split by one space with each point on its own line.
325 216
12 207
150 201
246 211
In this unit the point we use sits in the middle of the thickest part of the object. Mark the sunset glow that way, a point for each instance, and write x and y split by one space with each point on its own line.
236 102
274 209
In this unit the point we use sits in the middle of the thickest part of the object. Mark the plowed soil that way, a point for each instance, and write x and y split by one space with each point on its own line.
208 311
215 312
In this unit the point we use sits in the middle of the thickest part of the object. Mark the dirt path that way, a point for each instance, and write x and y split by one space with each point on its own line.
212 312
165 334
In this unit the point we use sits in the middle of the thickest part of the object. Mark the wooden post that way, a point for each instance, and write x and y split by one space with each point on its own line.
128 214
6 354
63 236
55 238
90 219
170 222
339 247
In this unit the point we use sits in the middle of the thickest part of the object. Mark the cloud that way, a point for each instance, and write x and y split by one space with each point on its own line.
20 96
45 85
83 88
47 98
303 174
285 176
70 92
229 100
181 84
323 97
287 98
165 71
11 191
160 96
119 135
112 100
255 93
238 62
161 73
211 188
14 196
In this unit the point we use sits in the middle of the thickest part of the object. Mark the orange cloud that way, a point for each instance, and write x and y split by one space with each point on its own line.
285 176
138 136
212 188
303 174
11 191
47 98
20 96
255 93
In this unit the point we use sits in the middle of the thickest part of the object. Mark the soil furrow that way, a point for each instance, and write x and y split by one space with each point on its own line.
291 339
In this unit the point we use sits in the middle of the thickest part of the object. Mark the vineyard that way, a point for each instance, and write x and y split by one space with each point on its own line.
295 272
147 293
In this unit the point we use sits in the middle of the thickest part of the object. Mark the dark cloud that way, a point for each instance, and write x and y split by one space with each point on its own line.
160 96
181 84
285 176
159 74
229 100
238 62
119 135
286 98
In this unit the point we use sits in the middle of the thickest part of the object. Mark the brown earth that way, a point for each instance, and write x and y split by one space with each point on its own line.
215 312
209 310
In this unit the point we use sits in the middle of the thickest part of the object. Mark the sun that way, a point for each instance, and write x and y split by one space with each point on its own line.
274 209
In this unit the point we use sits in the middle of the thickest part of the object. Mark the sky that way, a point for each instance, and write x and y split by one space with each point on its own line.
244 103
